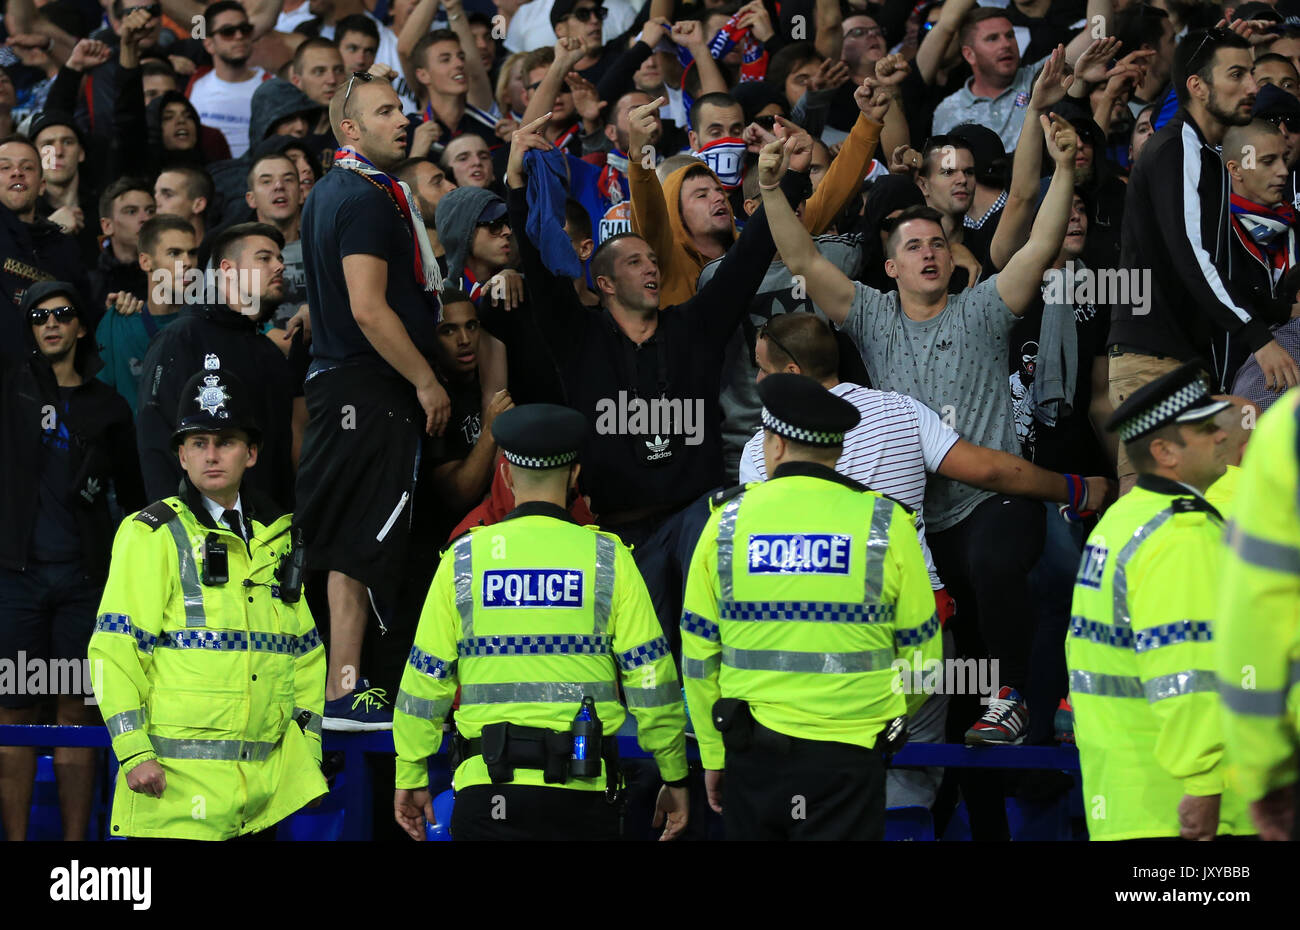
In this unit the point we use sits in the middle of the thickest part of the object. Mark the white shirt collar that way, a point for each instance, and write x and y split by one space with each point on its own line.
215 510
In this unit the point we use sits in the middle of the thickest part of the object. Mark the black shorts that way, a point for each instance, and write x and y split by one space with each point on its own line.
357 476
47 614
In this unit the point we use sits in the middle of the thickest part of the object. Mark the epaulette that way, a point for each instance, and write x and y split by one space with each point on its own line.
156 514
719 498
1193 505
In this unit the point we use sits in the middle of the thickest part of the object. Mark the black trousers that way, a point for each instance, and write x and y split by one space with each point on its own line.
816 791
532 812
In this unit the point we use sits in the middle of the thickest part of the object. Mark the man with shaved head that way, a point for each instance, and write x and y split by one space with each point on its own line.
372 397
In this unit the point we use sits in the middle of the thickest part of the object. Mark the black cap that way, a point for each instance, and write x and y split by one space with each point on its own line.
1257 10
213 401
540 435
49 118
1181 396
562 8
985 146
798 408
1084 125
1272 102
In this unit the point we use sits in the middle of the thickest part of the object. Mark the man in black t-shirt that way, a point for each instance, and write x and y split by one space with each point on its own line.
372 396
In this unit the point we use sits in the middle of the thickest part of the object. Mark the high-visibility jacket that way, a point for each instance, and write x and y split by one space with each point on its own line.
1223 493
223 684
805 594
1259 609
528 616
1140 651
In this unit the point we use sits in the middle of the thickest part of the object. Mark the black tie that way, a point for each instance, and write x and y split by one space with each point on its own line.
232 520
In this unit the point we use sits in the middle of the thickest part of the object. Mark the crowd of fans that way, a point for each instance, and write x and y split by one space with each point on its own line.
970 218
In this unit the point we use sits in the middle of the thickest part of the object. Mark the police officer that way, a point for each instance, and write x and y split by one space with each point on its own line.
803 595
1258 634
212 680
538 620
1141 645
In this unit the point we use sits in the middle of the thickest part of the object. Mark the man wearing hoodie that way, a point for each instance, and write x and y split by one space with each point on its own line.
31 249
688 220
66 436
246 286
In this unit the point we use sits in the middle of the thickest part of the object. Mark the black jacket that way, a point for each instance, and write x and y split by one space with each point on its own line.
176 354
37 251
1176 229
111 276
99 424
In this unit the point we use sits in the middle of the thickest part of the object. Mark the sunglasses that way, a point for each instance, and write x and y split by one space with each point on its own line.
154 10
583 14
765 333
496 227
365 77
229 32
1289 123
65 314
864 32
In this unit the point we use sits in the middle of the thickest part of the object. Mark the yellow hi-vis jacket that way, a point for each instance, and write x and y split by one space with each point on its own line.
528 616
1140 651
804 595
223 685
1258 631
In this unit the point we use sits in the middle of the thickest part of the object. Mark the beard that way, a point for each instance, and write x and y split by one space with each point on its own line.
1228 117
235 62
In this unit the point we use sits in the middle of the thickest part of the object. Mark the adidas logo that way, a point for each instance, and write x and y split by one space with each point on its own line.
943 345
658 448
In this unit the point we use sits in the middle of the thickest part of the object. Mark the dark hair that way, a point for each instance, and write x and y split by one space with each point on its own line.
981 14
715 99
938 144
153 228
602 263
23 140
357 22
428 40
225 243
306 46
248 180
891 227
1196 55
405 170
1287 32
117 189
152 67
454 295
477 18
790 59
198 183
577 218
213 10
804 339
1139 25
1274 56
537 58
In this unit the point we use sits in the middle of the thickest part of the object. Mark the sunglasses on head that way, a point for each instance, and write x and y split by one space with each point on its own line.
63 314
583 14
365 77
1217 34
229 32
765 333
154 9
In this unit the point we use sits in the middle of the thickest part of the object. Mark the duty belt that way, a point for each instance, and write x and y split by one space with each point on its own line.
510 746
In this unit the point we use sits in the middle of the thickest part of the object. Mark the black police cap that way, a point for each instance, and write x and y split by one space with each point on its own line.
540 435
213 401
798 408
1181 396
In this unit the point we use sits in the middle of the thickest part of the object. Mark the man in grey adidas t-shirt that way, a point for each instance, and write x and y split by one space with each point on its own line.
950 353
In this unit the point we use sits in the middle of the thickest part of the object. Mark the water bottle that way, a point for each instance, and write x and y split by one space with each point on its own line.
585 761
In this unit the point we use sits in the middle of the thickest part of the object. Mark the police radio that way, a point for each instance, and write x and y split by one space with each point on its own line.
216 567
291 570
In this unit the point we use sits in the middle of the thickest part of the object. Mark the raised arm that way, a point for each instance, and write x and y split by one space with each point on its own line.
827 286
1022 195
844 176
568 52
1099 14
1019 283
480 91
690 35
830 33
649 208
934 47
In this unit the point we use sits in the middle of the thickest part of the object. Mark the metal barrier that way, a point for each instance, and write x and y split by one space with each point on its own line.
356 794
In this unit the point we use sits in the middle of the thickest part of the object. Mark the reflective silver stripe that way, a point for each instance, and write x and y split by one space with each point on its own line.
1124 686
424 708
604 587
1254 703
538 692
1119 583
191 590
663 694
223 750
1192 681
463 566
1262 553
877 545
831 663
124 722
314 720
727 545
701 668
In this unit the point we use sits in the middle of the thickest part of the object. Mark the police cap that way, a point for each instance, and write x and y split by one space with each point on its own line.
798 408
540 435
1181 396
213 401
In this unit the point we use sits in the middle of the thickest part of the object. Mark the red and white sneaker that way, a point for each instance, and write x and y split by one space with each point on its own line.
1003 724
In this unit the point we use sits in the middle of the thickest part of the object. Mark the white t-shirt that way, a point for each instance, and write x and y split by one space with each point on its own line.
289 20
897 441
386 54
531 28
227 106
